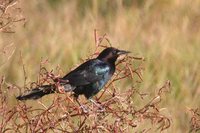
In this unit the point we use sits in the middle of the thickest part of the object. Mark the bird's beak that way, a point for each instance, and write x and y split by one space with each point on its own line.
121 52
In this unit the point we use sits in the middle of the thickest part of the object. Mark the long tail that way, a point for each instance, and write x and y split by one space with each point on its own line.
37 92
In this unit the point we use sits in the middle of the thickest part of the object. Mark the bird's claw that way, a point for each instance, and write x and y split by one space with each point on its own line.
84 108
101 109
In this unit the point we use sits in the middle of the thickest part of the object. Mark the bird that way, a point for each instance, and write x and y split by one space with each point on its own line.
87 79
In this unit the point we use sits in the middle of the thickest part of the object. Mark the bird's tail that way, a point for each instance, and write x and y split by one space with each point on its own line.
37 92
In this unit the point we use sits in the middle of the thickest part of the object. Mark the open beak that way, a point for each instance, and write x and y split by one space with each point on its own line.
121 52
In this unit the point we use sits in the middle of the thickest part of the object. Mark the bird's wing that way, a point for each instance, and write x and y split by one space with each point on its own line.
89 72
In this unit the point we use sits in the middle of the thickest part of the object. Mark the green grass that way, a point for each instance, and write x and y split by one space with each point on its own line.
166 33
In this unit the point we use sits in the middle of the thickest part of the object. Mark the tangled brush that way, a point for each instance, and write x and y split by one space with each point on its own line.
120 113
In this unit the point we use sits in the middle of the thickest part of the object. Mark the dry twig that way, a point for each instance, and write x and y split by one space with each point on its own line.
64 115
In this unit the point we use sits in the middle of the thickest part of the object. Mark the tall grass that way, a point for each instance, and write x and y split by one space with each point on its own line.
165 32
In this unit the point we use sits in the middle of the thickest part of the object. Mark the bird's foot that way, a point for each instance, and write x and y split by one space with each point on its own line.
100 108
84 108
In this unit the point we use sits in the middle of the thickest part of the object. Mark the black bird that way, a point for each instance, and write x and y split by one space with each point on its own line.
87 79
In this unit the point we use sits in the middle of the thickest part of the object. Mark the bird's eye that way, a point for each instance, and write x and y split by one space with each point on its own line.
115 51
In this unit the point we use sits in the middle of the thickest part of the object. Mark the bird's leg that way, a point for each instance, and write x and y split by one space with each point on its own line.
98 105
83 107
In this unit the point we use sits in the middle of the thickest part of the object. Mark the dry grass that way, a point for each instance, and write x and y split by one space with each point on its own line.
166 33
195 120
119 113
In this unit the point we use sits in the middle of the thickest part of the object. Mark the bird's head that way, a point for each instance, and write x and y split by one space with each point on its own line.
111 54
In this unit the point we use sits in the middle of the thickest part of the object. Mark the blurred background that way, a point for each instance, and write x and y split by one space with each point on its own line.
165 32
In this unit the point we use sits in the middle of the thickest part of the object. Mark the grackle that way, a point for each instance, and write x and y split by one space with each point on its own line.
87 79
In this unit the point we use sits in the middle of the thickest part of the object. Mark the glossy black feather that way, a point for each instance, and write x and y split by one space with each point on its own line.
87 79
89 72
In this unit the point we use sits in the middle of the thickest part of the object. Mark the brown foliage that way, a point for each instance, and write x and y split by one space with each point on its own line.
195 120
119 113
10 13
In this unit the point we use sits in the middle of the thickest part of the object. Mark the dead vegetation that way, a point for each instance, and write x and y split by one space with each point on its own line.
119 113
195 120
10 14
